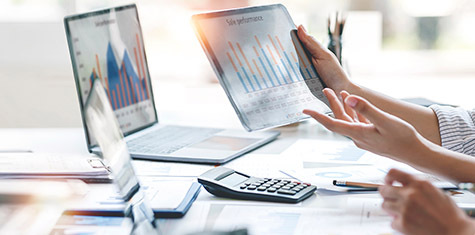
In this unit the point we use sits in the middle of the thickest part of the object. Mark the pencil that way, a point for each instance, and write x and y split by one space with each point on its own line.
355 184
374 187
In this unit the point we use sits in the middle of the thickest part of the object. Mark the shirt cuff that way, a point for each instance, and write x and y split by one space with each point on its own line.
457 128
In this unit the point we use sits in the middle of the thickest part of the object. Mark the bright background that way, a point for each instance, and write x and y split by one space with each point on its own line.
405 48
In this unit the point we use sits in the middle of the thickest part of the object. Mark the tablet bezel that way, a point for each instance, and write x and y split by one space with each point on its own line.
211 55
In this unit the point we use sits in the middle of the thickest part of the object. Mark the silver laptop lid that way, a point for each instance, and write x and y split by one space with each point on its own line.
108 45
104 127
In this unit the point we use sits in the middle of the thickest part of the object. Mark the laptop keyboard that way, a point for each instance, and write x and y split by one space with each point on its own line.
169 139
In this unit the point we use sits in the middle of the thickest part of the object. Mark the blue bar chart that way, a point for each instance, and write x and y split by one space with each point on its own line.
109 48
123 85
268 64
260 62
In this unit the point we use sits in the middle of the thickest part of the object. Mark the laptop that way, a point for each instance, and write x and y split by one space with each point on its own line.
108 45
108 201
103 126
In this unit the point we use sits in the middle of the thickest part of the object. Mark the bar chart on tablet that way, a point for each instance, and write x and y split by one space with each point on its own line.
271 65
262 66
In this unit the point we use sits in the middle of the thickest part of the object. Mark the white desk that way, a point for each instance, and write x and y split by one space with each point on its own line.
323 213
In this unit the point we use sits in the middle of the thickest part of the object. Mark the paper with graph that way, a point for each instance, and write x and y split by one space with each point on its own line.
262 66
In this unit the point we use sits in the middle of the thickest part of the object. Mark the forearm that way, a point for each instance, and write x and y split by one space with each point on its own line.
437 160
422 118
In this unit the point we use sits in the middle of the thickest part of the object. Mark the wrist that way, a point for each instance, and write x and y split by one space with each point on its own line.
415 152
349 87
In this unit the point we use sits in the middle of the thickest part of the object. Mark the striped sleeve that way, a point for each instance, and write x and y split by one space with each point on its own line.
457 128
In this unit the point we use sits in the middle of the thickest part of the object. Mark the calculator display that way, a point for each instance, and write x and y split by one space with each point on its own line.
233 179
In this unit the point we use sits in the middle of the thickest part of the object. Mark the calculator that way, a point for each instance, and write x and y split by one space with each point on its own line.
225 182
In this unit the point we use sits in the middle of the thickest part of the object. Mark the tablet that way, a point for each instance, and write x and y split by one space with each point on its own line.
261 64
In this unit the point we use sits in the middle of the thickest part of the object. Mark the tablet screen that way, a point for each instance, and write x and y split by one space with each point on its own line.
260 63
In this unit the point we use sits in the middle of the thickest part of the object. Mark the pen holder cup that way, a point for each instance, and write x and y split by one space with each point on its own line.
335 46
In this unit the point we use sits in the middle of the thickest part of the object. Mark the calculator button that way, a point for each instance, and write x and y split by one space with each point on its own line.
266 185
286 188
271 190
296 182
243 186
261 181
280 184
286 181
277 186
256 184
261 188
247 184
252 187
267 179
276 180
288 192
307 184
291 185
299 188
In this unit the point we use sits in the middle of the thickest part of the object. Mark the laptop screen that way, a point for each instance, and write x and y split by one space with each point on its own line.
108 45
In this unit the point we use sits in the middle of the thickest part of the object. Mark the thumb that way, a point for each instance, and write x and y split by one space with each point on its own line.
313 46
365 108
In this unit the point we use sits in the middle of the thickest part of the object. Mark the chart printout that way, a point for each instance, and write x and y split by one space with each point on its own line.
109 47
263 69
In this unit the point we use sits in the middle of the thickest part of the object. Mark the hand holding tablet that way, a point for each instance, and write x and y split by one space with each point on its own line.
261 64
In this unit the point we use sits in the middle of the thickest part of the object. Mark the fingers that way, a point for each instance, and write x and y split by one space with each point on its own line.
392 207
389 192
399 176
321 118
351 112
362 106
342 127
362 118
336 106
348 110
313 46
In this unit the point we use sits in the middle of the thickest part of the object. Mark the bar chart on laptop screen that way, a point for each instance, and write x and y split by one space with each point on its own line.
264 68
109 47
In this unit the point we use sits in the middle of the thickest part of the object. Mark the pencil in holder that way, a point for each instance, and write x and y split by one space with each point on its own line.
335 32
